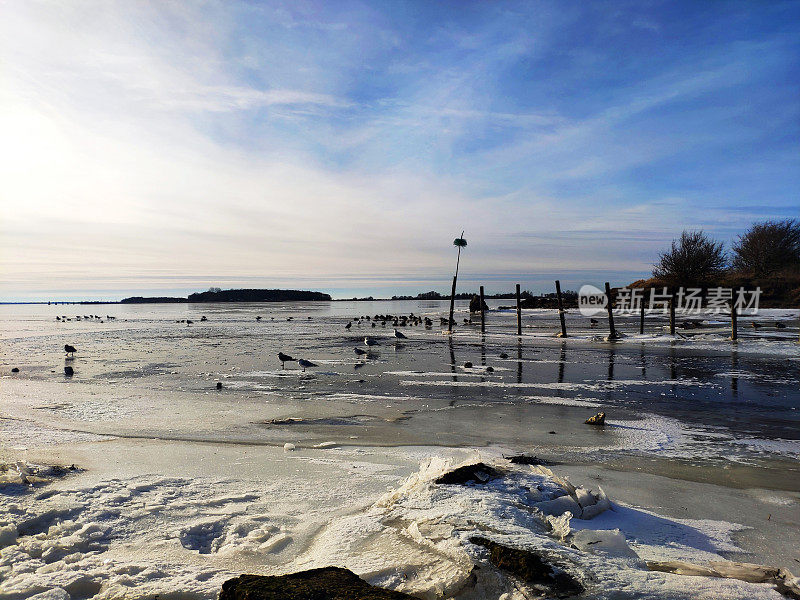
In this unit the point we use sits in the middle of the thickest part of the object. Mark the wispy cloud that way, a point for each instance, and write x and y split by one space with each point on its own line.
277 143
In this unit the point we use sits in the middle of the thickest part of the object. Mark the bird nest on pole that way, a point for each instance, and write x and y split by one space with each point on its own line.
460 242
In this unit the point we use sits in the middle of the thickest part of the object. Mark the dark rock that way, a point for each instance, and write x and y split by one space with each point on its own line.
467 365
503 355
531 568
219 385
524 459
477 473
598 419
490 369
475 304
15 370
69 371
329 583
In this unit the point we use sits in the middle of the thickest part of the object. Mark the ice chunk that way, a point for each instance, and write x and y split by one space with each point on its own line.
559 506
53 594
8 535
607 541
559 526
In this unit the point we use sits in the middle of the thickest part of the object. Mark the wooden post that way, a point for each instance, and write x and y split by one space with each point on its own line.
452 304
519 313
561 309
612 331
672 312
641 317
734 324
483 314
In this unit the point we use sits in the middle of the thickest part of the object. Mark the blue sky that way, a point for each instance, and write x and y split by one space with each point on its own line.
167 147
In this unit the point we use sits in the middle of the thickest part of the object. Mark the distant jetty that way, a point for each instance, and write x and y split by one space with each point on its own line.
152 300
249 295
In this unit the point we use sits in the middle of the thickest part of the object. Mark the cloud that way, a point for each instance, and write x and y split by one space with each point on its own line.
172 144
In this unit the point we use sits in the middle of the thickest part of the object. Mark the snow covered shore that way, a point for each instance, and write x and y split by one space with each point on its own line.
103 535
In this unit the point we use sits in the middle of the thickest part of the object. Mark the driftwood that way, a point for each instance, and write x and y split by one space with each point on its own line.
784 582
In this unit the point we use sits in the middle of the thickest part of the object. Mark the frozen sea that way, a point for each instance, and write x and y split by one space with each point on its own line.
183 486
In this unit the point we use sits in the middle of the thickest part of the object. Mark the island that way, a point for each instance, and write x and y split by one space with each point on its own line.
243 295
255 295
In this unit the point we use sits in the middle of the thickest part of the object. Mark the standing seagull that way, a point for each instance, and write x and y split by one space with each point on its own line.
399 335
70 349
371 342
284 358
349 325
305 363
359 351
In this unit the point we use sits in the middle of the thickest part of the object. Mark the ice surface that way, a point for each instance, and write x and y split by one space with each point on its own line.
188 485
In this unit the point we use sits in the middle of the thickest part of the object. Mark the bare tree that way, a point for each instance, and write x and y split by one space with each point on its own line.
768 247
694 258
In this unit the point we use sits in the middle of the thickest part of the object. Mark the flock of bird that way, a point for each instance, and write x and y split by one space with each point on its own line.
410 320
86 318
370 342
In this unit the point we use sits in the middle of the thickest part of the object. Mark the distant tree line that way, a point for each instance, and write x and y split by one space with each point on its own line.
462 296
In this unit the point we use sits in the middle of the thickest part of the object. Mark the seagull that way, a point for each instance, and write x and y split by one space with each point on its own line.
371 342
359 351
284 358
69 349
305 363
349 325
399 335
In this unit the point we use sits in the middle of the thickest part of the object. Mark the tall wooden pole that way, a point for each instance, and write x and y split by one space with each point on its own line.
483 314
452 305
672 312
561 309
641 317
519 313
455 277
734 324
612 331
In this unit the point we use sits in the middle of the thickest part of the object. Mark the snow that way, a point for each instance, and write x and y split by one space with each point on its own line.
136 537
417 540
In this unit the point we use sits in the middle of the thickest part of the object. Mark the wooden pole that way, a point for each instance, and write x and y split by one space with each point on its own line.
452 305
519 313
672 313
734 324
612 331
561 309
641 317
483 314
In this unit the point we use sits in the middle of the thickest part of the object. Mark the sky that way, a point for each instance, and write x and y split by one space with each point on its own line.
160 148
